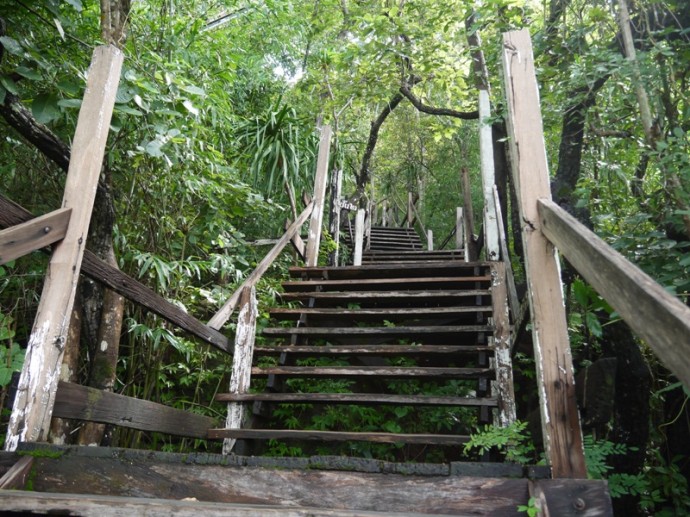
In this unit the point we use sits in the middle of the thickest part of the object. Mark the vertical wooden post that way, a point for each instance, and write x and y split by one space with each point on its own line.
384 214
316 221
33 405
410 216
504 366
359 238
560 419
336 188
486 149
513 301
430 240
470 247
240 376
459 229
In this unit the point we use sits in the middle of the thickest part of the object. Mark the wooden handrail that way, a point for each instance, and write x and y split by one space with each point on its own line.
656 316
220 317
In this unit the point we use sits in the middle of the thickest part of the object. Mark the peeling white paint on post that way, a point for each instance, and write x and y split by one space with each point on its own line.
486 149
240 377
501 342
430 240
33 405
459 229
315 224
555 379
359 238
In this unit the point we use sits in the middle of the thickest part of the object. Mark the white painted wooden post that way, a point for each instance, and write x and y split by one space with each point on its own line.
337 186
316 221
384 214
240 377
486 150
459 229
33 405
359 237
430 240
560 418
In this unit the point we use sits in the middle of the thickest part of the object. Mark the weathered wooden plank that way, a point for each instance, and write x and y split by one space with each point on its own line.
359 238
353 295
371 331
112 506
656 316
338 436
430 240
390 313
33 235
501 341
572 498
375 371
358 398
560 419
296 241
513 300
146 297
93 405
15 478
320 182
33 405
459 228
364 282
486 149
371 349
240 376
381 270
223 315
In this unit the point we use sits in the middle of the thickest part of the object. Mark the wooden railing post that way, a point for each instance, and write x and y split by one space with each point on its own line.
359 238
430 240
486 150
320 180
459 229
240 376
33 405
560 418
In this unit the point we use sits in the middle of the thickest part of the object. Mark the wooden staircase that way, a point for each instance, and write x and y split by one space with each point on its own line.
402 353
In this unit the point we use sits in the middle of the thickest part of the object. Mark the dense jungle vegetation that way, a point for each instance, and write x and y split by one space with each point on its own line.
215 124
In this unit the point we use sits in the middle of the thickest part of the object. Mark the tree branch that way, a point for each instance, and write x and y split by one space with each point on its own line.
431 110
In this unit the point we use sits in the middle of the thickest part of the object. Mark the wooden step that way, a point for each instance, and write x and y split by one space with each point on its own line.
374 331
373 350
336 436
389 298
363 284
356 399
374 371
411 270
390 313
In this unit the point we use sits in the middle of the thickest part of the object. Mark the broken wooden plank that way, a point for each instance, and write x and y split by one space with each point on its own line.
338 436
357 398
560 418
94 405
33 405
33 235
655 315
223 315
94 267
320 182
15 478
240 376
374 371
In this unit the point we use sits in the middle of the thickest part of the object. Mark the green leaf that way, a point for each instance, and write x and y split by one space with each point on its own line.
9 84
194 90
45 108
12 45
28 73
76 4
69 103
3 93
153 148
593 324
190 107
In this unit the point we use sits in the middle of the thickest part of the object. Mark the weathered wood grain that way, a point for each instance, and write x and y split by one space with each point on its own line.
369 331
33 235
359 238
240 375
572 498
513 300
375 371
93 405
394 282
320 182
459 228
371 349
656 316
15 478
358 398
486 150
560 419
223 315
33 405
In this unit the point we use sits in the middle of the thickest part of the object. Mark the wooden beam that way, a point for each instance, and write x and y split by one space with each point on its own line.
656 316
33 235
359 238
15 478
571 498
560 418
296 241
223 315
92 266
33 405
486 149
430 240
513 300
94 405
320 180
240 377
501 343
459 229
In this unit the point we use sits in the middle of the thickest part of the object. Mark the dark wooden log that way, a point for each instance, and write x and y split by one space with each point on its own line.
337 436
84 403
357 398
12 214
368 371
